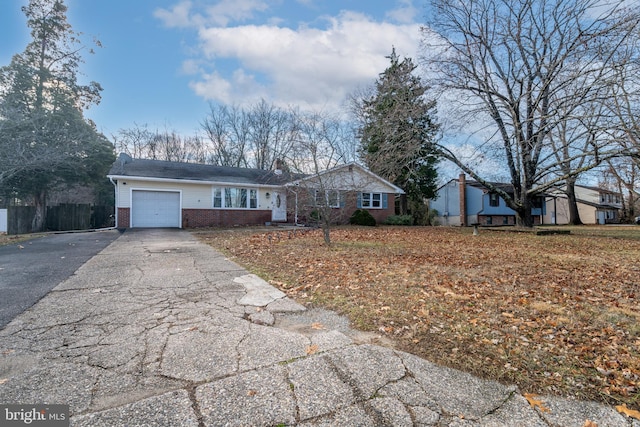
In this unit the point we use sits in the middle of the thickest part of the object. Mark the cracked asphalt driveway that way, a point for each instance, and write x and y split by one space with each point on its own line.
161 330
29 270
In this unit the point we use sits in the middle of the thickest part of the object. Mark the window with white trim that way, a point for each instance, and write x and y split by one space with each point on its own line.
371 200
330 198
235 198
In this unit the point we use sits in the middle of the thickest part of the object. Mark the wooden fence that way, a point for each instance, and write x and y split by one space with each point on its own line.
60 218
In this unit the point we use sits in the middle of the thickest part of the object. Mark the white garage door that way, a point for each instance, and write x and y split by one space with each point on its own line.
155 208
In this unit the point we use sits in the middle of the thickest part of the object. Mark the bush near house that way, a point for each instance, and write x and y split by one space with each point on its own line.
362 217
399 220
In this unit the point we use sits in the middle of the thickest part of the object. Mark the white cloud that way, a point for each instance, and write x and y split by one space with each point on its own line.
212 86
191 67
406 13
306 67
223 12
314 65
178 16
226 11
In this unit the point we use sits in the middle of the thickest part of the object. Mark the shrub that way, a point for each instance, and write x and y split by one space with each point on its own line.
362 217
432 217
399 220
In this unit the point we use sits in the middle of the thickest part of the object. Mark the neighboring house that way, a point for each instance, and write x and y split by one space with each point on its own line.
153 193
462 202
595 206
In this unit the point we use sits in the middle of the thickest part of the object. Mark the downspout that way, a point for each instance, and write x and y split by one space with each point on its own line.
115 208
295 220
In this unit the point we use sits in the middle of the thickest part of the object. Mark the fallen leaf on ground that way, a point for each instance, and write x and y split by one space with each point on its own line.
3 380
392 281
589 423
317 325
312 349
628 412
536 403
252 393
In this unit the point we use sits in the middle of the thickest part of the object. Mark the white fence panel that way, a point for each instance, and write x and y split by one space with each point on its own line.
3 220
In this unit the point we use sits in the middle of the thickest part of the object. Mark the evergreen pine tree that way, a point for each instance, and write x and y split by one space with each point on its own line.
398 134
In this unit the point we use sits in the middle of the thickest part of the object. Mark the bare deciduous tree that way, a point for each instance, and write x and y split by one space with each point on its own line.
227 132
625 107
527 66
142 143
322 143
623 175
272 133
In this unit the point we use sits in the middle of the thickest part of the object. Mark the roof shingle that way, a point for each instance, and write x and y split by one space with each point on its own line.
127 166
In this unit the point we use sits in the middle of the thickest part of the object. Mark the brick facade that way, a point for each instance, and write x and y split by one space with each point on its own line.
339 215
502 220
380 215
123 217
193 218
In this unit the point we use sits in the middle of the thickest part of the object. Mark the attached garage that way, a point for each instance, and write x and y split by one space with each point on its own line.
161 194
151 208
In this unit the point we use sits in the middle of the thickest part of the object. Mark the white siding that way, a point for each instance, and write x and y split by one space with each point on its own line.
355 180
194 196
587 194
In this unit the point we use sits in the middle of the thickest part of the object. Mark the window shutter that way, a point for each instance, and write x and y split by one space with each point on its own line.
341 198
384 201
359 201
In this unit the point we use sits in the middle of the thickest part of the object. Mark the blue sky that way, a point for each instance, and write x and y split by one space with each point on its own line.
163 61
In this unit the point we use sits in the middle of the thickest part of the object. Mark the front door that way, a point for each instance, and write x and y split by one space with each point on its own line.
279 207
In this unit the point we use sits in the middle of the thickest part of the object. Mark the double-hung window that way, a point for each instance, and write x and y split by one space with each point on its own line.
330 198
235 198
494 199
371 200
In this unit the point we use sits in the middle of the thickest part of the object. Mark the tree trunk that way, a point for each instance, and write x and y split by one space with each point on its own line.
574 215
326 233
524 218
404 205
523 212
40 203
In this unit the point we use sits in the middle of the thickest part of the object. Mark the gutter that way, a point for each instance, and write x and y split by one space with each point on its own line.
115 209
194 181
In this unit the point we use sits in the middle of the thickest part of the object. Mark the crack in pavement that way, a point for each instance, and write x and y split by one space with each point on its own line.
186 337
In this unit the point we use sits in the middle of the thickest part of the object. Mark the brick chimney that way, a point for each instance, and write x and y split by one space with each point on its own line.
278 167
462 185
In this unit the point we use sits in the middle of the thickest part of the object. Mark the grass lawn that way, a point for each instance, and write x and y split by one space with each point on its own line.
555 314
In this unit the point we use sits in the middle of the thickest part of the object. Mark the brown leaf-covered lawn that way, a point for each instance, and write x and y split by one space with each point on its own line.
553 314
